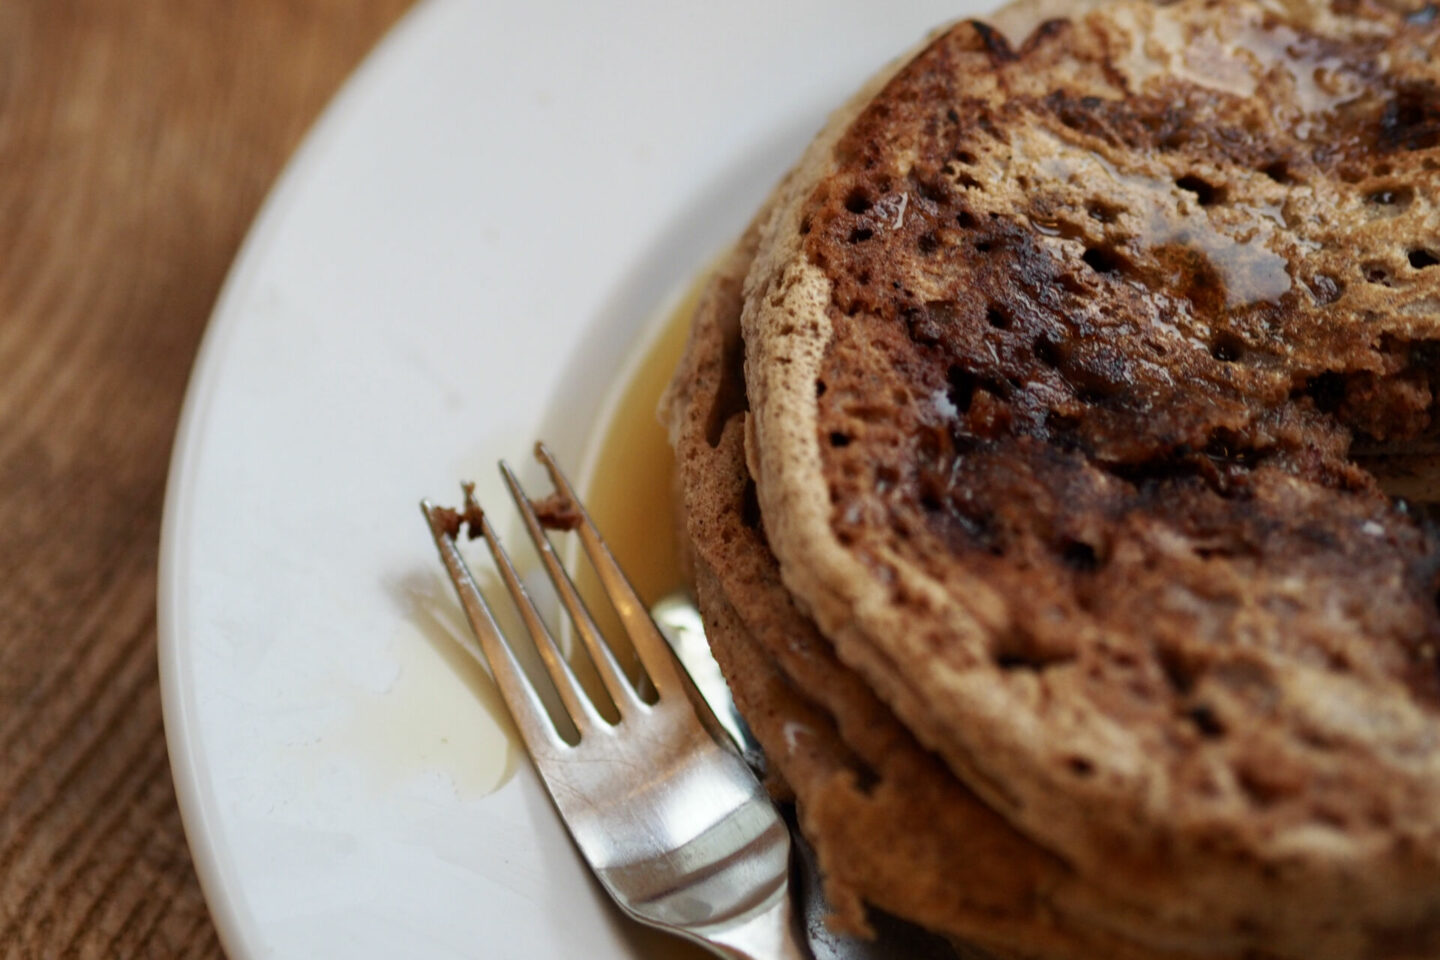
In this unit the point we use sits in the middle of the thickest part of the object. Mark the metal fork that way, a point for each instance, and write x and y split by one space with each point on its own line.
674 825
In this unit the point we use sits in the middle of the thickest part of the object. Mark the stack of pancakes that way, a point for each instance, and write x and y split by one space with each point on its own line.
1017 445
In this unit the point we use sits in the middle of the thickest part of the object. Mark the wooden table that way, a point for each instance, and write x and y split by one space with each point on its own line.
137 139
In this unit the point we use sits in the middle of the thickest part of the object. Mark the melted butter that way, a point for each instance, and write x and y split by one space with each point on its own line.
1241 56
1320 85
1250 271
1160 214
1160 46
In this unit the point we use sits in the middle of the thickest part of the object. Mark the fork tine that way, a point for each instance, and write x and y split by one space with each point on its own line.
537 729
606 665
577 703
652 649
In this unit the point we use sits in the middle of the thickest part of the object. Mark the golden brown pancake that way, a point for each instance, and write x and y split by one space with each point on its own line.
1056 346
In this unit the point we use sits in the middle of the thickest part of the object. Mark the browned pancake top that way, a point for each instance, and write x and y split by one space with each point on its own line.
1108 312
1106 307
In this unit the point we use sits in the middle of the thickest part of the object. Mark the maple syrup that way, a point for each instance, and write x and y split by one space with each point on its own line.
628 487
628 479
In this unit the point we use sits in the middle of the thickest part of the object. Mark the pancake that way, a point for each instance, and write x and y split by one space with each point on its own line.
1055 348
892 827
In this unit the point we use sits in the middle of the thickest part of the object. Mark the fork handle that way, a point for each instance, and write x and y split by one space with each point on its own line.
770 935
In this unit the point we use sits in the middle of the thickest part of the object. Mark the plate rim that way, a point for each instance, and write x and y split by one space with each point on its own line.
239 935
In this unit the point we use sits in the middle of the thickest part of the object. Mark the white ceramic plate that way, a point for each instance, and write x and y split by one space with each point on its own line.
456 263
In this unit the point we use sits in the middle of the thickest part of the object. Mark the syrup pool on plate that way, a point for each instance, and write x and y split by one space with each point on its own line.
627 480
630 469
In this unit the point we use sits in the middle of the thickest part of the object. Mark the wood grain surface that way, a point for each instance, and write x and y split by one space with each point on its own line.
137 139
